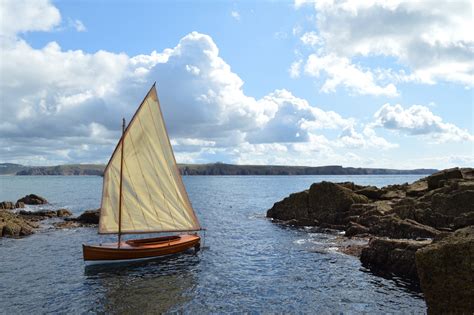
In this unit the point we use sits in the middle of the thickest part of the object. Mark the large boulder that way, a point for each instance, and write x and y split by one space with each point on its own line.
89 217
60 213
295 206
329 202
393 256
437 180
446 272
453 204
33 199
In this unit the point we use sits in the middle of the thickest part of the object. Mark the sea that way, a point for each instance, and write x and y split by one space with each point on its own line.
247 263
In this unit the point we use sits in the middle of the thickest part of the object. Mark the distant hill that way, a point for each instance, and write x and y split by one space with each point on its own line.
10 168
211 169
230 169
71 169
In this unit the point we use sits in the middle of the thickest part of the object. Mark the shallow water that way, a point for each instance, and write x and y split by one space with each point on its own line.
247 264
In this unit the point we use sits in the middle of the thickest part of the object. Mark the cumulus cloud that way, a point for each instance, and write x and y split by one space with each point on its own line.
432 40
66 106
349 137
340 71
35 16
419 120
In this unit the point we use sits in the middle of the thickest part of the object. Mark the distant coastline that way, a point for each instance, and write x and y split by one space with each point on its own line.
212 169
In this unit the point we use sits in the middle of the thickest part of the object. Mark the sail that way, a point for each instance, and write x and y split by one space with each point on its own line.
153 195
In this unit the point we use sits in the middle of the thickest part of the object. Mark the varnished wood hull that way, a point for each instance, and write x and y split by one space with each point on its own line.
144 248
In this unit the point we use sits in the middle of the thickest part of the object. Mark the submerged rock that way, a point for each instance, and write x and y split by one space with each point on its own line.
33 199
446 272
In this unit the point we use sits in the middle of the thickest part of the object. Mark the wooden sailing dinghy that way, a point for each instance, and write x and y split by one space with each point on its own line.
143 193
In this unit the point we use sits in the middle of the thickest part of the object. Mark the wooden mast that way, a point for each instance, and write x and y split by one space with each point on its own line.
120 195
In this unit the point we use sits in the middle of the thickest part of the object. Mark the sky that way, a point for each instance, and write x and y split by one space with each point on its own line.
353 83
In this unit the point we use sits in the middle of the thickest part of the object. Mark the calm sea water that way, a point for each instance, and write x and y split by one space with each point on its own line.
247 264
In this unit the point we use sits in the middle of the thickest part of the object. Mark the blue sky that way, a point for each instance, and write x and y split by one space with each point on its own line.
354 83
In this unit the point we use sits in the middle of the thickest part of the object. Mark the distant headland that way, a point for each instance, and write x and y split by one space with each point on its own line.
212 169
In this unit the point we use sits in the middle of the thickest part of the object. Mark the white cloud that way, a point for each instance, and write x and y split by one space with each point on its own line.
78 25
350 138
295 69
339 71
235 14
38 15
294 120
419 120
433 40
311 39
66 106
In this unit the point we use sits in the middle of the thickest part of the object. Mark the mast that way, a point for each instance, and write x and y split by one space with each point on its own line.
121 177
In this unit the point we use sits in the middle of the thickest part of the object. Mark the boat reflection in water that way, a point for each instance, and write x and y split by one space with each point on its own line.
149 286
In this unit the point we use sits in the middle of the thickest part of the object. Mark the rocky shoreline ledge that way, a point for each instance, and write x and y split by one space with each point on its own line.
15 222
423 232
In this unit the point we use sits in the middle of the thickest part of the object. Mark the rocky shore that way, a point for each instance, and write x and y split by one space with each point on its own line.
421 231
15 222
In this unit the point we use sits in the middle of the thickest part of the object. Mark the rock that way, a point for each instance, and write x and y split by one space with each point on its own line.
436 180
63 213
6 205
454 204
393 256
41 213
33 199
328 202
371 192
417 189
11 225
19 205
350 185
89 217
11 229
464 220
356 229
293 207
394 227
446 270
393 194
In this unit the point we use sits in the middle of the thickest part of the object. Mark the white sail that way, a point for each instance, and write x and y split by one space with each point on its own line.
153 195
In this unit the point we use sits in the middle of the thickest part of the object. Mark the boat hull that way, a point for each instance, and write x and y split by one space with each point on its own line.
139 249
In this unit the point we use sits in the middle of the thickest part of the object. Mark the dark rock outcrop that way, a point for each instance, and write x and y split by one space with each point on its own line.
324 203
12 225
437 180
446 272
19 205
88 217
6 205
393 256
33 199
61 213
407 215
